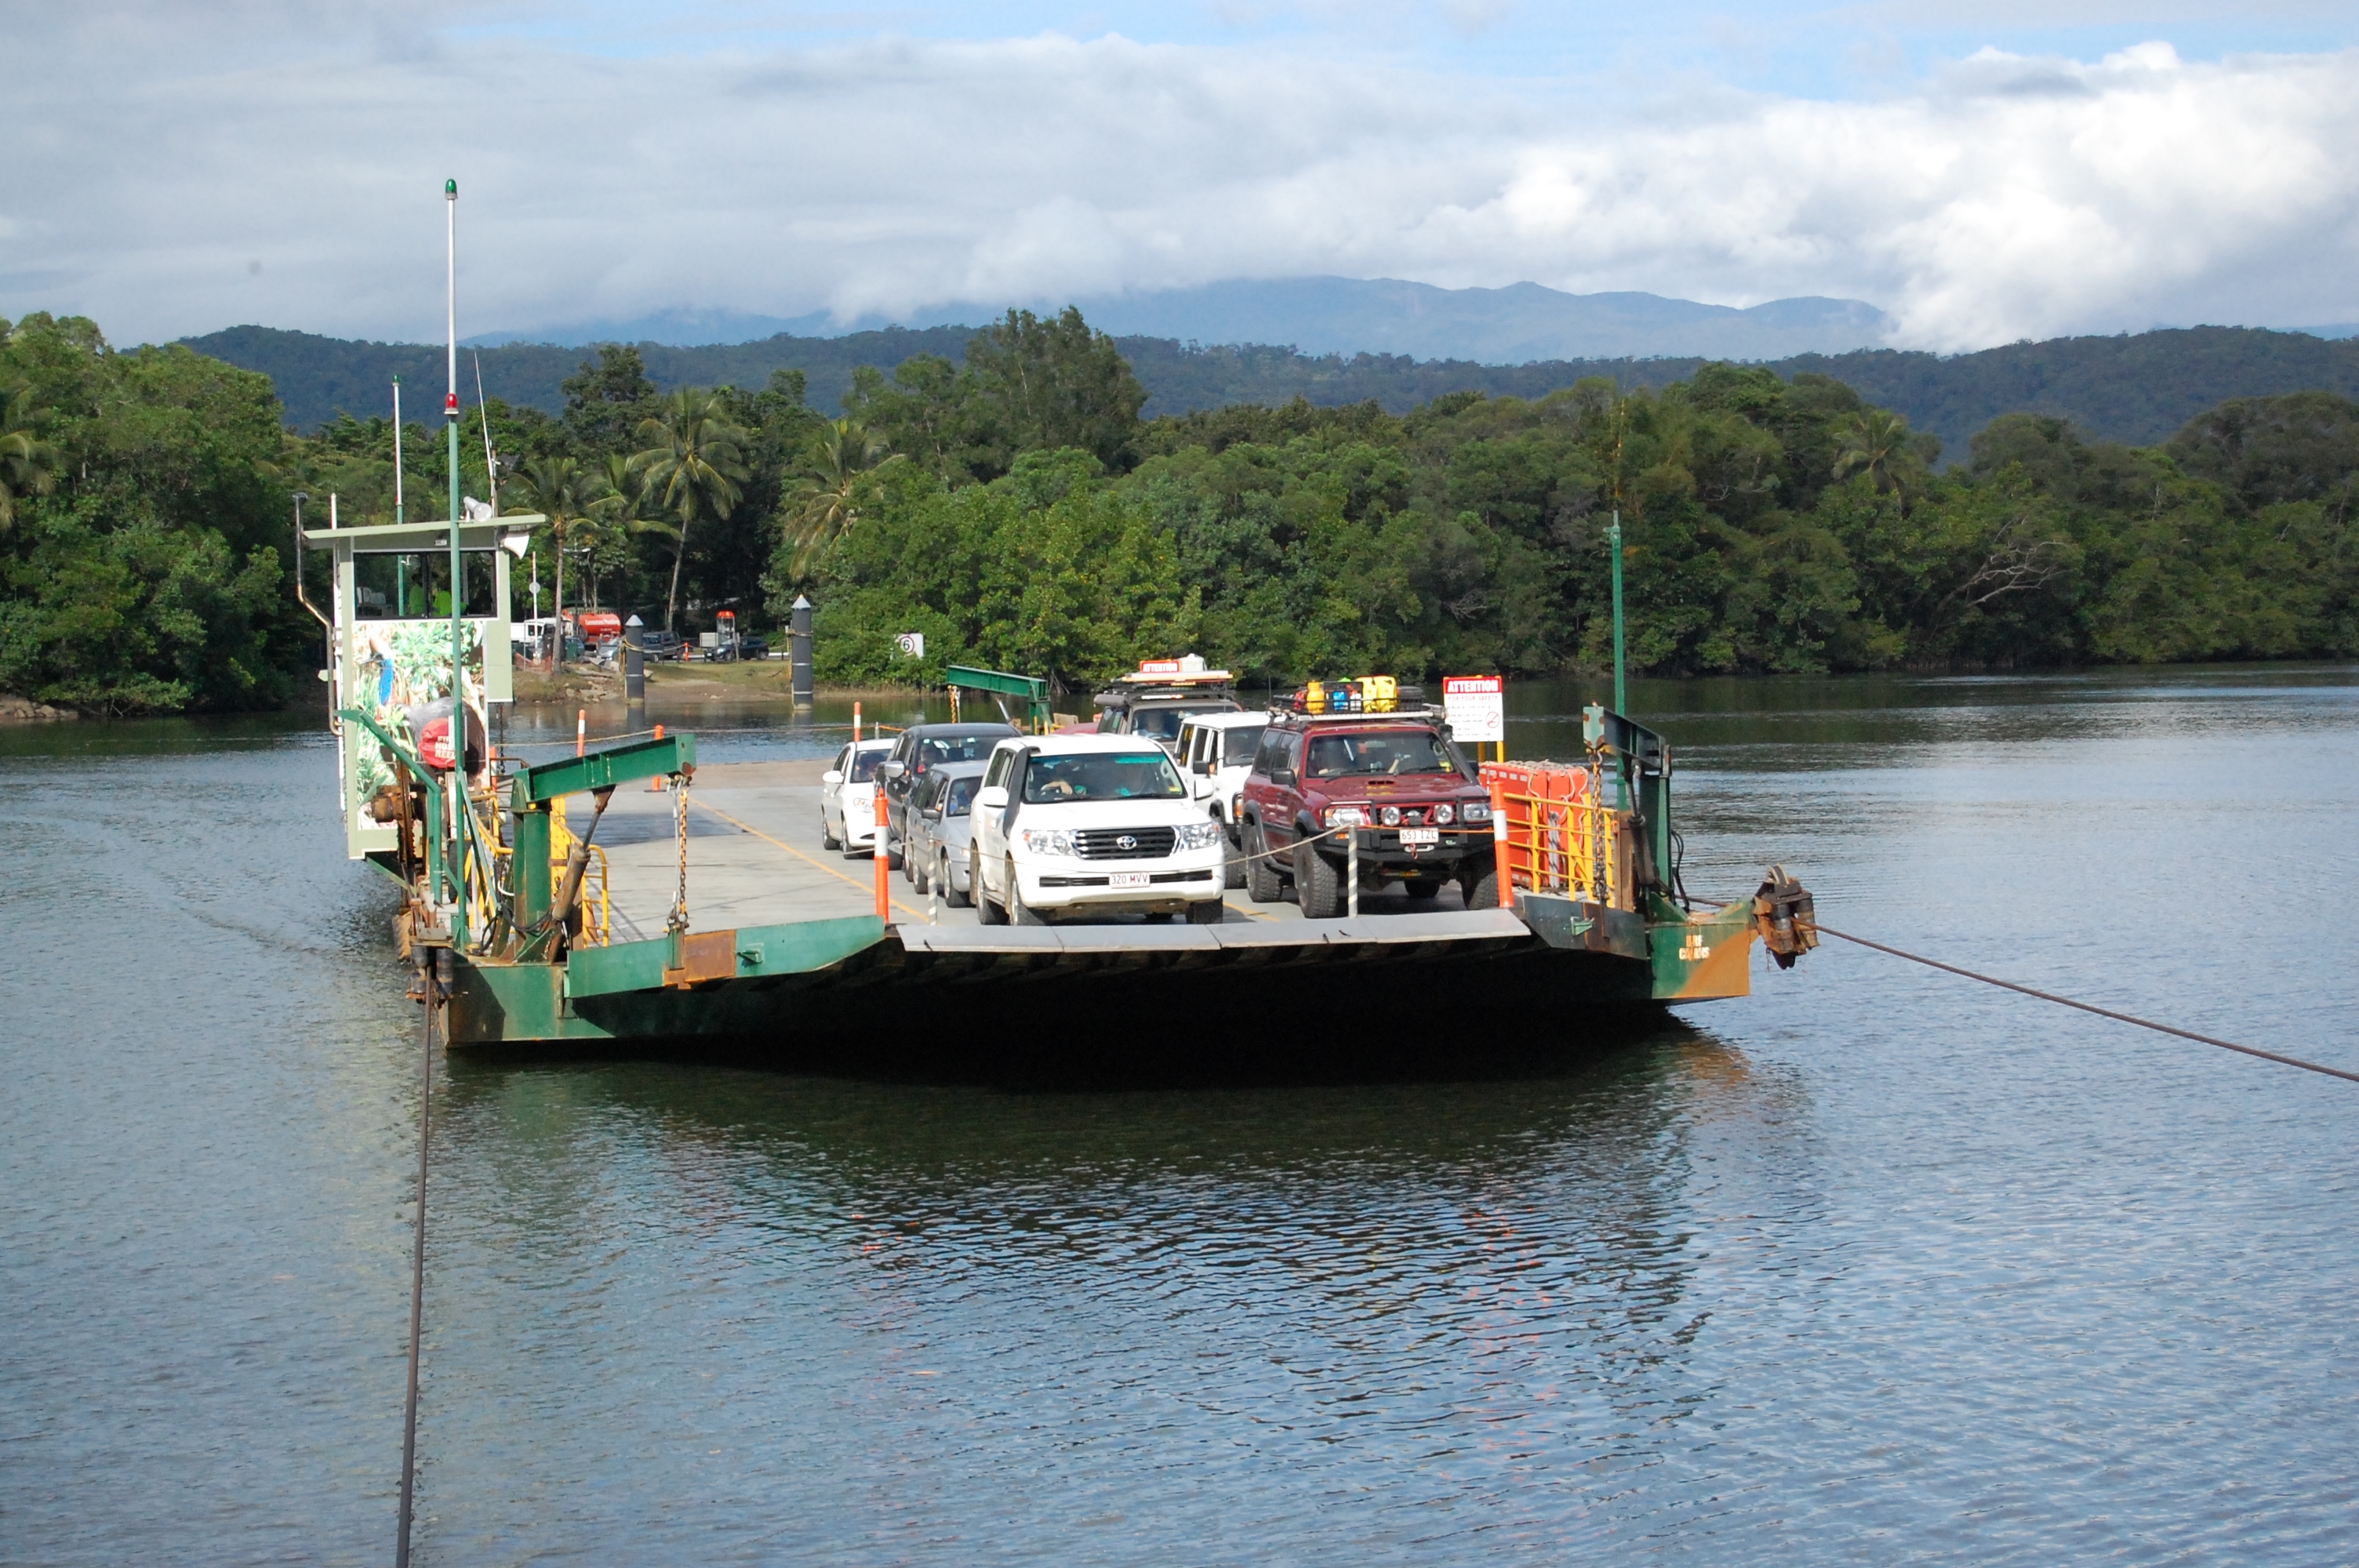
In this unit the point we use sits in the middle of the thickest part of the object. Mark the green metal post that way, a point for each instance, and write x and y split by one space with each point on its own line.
457 624
1621 684
529 865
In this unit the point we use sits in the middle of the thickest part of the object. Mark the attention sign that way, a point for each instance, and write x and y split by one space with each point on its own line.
1476 706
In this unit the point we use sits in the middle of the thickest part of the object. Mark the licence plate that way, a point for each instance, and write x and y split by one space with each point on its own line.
1127 880
1420 837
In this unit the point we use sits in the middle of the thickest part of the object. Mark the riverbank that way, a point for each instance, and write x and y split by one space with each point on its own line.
758 680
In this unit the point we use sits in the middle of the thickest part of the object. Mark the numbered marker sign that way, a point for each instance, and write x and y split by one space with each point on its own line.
1476 706
912 644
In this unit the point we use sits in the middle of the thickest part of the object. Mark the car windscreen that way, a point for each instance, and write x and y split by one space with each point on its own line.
1163 723
863 766
1102 775
962 795
1237 746
936 749
1384 752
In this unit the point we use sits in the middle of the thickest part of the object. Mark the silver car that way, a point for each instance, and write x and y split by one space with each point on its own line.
941 826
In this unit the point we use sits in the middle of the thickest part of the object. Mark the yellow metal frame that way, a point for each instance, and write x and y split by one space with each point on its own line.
1560 846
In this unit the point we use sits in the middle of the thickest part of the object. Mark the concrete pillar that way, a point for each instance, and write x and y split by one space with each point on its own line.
799 648
634 660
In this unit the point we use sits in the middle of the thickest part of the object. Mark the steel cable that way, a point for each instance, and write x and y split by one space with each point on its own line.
430 984
2089 1007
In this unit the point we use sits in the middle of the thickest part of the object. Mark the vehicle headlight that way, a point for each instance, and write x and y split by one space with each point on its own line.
1049 840
1476 811
1443 816
1345 815
1391 814
1202 835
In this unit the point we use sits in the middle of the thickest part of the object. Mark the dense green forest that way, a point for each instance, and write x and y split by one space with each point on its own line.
2136 389
1013 505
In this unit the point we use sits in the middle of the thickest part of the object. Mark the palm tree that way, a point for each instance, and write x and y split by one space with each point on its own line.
614 517
558 489
821 510
1876 441
695 464
28 465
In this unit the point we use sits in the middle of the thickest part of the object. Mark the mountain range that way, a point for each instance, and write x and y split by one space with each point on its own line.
2137 389
1514 325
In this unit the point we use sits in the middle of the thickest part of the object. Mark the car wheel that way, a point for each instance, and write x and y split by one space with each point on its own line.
1262 883
1482 885
1232 868
1208 912
916 873
1318 887
892 851
951 894
1018 912
827 840
989 912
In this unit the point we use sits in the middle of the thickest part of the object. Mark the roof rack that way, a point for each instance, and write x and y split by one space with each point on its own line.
1426 713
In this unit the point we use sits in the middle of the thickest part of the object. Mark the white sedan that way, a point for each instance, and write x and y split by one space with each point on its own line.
847 798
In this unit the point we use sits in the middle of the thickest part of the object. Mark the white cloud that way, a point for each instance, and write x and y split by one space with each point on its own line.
2003 197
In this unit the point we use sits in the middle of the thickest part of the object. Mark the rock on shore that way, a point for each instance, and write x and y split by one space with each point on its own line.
16 709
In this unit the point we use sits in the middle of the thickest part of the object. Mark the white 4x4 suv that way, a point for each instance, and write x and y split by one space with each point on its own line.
1216 751
1091 824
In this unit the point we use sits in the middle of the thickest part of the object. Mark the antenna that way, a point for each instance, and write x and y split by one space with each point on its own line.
491 469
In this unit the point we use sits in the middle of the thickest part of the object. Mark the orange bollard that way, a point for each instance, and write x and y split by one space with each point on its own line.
580 729
884 864
656 785
855 724
1499 844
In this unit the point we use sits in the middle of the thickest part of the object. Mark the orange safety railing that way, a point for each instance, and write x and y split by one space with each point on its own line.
1554 832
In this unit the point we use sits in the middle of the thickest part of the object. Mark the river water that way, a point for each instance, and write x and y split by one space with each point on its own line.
1877 1265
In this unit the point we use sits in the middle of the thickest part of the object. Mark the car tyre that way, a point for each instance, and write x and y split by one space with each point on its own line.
951 894
1232 868
990 913
1018 912
827 839
1262 884
1318 886
1208 912
1482 885
917 875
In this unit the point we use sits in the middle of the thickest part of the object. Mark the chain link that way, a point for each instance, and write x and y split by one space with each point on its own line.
679 921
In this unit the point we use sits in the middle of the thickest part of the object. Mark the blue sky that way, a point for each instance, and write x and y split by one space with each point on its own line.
1981 171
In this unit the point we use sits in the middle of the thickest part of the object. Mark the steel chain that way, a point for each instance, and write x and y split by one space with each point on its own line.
679 921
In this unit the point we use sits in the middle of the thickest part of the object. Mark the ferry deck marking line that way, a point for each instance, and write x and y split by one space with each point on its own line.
855 881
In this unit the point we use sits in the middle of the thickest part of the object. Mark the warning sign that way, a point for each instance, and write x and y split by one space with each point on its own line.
1476 706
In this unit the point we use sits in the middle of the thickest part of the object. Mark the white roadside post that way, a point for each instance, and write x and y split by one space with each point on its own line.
1351 875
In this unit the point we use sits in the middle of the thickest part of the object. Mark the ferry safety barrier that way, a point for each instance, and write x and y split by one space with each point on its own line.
1555 833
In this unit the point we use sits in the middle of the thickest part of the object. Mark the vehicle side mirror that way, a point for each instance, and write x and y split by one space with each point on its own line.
1282 776
832 777
1202 765
993 799
891 770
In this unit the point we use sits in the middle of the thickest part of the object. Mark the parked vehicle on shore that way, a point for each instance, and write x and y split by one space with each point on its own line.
1216 751
918 750
1080 825
1421 811
847 798
941 828
659 645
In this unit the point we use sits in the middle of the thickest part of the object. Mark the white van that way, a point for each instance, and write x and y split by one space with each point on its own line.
1091 825
1216 751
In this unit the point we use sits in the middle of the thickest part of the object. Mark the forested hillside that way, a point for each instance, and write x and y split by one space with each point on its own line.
1012 503
2134 389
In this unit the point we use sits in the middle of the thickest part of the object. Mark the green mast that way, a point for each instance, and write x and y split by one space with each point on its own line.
1614 547
457 859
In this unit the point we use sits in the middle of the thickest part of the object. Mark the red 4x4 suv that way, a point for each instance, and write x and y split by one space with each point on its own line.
1424 819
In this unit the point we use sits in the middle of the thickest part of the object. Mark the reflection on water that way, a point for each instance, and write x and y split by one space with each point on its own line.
1872 1264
